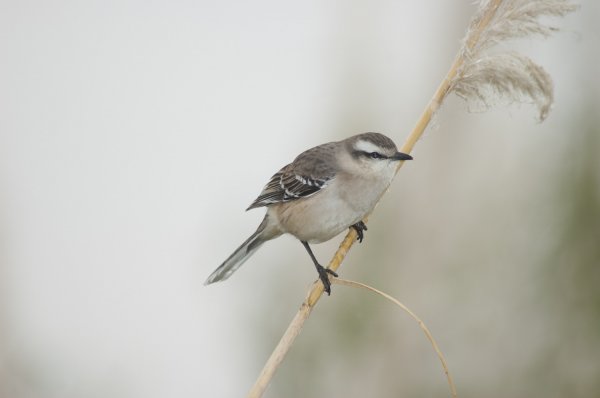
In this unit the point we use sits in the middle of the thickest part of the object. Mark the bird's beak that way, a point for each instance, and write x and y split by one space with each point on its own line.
401 156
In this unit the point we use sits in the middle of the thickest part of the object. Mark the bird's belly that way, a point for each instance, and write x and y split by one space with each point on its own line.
319 218
315 224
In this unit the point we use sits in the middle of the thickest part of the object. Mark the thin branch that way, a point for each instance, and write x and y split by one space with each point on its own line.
316 290
414 316
495 20
295 326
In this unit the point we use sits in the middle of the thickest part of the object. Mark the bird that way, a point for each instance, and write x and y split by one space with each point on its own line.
324 191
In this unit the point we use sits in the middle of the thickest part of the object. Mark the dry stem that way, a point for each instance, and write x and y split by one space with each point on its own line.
473 45
414 316
316 290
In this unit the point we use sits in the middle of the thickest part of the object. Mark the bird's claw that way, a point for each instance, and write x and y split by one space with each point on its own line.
360 227
324 277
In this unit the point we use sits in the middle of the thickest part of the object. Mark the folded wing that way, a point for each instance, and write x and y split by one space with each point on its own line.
310 172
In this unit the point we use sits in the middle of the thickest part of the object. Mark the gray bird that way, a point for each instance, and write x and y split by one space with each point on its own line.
324 191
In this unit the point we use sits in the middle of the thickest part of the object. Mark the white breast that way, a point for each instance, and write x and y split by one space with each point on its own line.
326 214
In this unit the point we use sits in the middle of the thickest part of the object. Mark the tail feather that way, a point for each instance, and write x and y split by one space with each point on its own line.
239 256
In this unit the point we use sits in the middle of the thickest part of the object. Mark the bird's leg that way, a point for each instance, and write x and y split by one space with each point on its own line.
360 227
323 272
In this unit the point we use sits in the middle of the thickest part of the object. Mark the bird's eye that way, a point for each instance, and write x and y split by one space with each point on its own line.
376 155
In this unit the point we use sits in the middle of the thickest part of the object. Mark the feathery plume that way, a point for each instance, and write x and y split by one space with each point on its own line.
512 76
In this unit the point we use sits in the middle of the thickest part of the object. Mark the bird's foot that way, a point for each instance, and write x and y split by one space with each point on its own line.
360 227
324 277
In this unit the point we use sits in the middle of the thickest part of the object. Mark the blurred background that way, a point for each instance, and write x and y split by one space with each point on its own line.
133 134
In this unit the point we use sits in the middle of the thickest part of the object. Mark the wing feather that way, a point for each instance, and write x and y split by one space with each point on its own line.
310 172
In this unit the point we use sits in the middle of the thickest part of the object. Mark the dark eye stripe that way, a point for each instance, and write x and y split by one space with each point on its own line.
375 155
372 155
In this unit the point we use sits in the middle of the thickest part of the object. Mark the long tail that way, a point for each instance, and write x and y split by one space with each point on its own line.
241 254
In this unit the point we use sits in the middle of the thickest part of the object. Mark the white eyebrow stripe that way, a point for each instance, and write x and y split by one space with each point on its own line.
366 146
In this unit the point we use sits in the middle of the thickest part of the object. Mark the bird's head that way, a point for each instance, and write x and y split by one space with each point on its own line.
373 154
